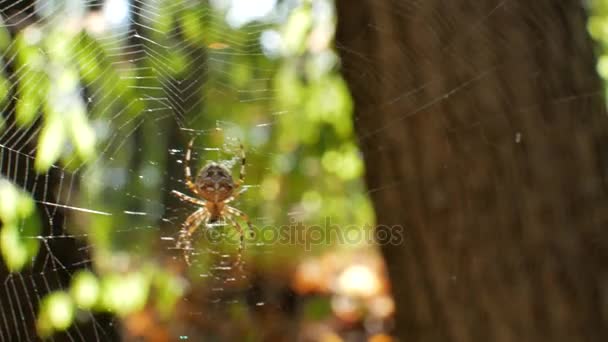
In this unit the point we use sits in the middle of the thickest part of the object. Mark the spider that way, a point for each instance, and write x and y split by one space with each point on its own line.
214 187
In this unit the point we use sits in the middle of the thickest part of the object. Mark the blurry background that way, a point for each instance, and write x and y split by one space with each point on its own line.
462 156
99 100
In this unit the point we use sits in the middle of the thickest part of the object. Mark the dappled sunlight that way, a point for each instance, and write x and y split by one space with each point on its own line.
106 100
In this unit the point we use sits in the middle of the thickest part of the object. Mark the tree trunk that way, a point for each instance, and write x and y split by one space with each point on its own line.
484 134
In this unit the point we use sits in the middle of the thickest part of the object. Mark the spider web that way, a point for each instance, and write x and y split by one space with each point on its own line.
171 107
152 97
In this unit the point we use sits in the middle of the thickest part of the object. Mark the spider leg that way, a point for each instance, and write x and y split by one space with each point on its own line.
240 214
187 170
233 197
242 170
187 198
238 227
237 185
193 221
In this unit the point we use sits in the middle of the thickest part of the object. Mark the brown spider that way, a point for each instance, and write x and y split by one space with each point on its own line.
214 188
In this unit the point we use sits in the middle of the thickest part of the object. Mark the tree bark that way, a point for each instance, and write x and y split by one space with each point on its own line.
484 134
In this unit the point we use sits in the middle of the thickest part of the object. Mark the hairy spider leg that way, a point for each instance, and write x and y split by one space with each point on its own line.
237 184
188 171
243 162
242 215
192 222
186 198
242 237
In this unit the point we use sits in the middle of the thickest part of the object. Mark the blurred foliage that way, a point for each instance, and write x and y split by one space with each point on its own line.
20 226
50 85
103 110
597 26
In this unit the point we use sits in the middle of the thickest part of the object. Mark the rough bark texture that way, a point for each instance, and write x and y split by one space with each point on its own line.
484 133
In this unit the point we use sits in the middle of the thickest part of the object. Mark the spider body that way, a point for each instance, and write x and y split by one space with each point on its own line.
215 183
214 187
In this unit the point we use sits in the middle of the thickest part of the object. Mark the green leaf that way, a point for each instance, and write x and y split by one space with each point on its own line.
5 37
85 289
168 288
13 253
10 196
32 85
192 27
19 247
163 23
21 225
15 203
4 90
27 106
124 293
50 144
82 134
296 30
57 313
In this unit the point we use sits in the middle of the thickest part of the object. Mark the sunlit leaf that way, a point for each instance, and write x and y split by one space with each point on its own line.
83 135
21 225
169 289
57 313
5 37
18 247
95 71
4 90
88 57
163 23
32 84
13 253
345 162
28 103
296 31
85 289
10 197
15 203
124 293
289 89
192 26
178 61
50 144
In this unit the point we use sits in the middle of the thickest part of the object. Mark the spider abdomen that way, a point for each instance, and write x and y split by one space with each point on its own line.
215 183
